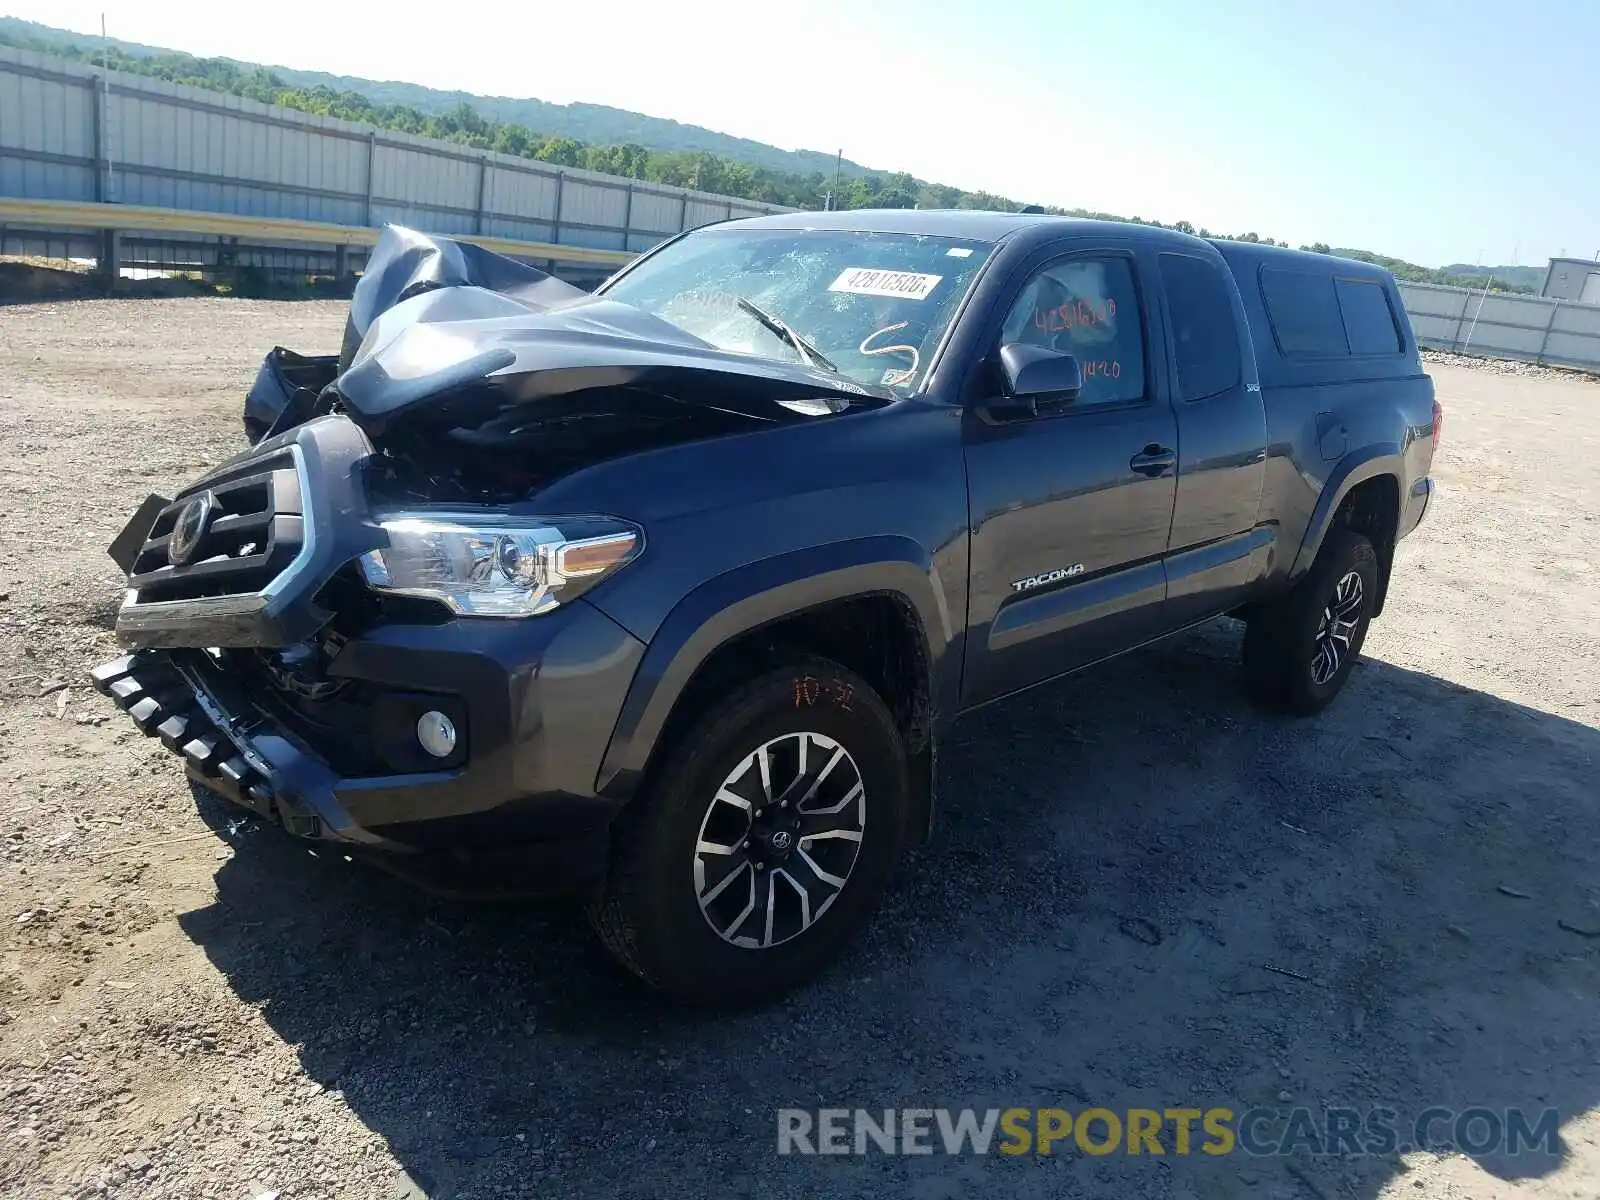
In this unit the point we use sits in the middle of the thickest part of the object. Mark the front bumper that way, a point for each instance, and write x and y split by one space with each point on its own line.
536 702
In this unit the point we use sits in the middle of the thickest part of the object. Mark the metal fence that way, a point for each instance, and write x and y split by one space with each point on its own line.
70 132
1497 325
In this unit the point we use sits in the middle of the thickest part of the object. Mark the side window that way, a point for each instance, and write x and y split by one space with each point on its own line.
1203 330
1086 307
1305 312
1368 319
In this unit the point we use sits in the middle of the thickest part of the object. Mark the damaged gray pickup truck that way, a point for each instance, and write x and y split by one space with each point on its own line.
665 595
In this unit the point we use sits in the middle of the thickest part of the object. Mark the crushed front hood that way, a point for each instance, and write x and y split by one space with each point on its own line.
442 329
472 380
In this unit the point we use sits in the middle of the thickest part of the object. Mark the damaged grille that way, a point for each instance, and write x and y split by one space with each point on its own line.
236 534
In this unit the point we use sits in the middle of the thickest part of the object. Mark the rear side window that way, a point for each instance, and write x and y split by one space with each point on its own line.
1305 312
1203 330
1368 319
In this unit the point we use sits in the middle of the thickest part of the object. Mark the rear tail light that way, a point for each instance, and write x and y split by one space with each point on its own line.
1438 423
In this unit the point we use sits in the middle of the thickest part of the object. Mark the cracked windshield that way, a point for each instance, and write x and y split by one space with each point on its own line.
870 306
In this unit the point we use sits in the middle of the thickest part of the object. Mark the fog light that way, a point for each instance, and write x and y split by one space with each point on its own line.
437 733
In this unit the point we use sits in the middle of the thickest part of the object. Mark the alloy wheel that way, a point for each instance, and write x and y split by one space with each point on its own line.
779 840
1337 628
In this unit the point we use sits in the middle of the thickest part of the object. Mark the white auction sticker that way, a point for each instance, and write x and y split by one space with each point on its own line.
868 281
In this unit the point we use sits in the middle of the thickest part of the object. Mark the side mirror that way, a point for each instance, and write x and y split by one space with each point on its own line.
1036 373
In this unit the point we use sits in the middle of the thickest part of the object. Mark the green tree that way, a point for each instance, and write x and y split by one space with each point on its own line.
562 151
511 139
463 118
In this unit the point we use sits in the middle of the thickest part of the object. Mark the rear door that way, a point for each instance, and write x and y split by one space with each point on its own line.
1216 549
1070 509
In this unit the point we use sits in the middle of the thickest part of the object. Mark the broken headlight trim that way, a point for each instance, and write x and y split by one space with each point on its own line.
491 565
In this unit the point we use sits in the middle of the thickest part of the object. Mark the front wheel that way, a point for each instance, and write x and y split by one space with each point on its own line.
1298 651
766 838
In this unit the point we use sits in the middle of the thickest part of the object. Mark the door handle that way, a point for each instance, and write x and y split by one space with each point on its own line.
1154 460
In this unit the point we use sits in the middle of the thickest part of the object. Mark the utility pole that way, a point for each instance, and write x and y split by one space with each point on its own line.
1485 296
838 161
109 259
105 107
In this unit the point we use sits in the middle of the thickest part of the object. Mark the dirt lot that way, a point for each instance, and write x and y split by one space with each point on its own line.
1144 893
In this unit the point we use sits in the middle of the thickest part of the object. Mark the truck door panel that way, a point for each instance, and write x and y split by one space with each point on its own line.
1217 550
1071 510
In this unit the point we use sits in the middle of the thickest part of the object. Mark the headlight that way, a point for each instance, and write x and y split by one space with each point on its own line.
487 565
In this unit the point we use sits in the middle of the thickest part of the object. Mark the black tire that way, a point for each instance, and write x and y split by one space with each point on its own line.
1286 642
649 913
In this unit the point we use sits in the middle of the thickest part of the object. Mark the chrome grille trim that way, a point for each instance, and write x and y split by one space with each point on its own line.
281 585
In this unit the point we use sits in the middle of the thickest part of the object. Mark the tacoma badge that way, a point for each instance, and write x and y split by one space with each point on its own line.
1037 581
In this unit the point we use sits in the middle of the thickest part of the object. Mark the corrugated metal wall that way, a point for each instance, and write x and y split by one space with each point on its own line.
1499 325
67 134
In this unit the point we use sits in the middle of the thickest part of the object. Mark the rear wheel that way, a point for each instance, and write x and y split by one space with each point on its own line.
766 839
1299 651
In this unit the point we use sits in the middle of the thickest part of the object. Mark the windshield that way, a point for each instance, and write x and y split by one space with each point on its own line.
871 305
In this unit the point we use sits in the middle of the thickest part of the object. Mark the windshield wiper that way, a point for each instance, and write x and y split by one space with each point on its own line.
806 350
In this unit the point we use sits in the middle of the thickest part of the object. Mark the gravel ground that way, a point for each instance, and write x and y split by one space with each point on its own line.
1143 892
1507 366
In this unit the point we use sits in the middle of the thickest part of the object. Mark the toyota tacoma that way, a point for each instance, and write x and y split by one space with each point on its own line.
665 595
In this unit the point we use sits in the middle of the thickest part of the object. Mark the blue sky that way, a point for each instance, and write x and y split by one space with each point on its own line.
1429 130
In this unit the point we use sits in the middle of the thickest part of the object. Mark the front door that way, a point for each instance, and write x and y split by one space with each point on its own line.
1071 509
